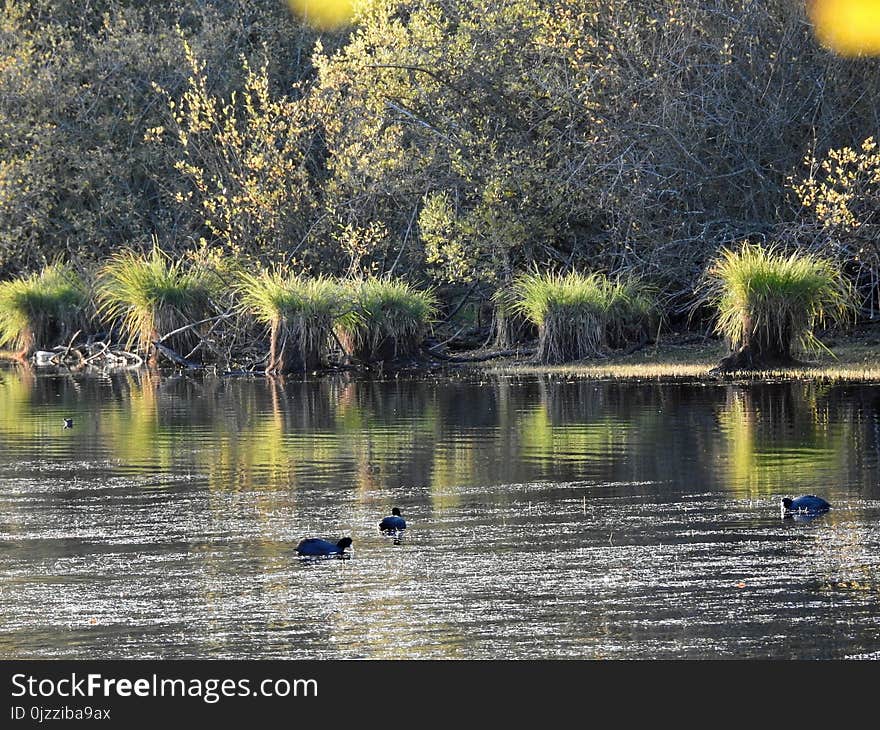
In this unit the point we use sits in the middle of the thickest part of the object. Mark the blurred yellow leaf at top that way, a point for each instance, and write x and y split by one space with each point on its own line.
848 27
324 14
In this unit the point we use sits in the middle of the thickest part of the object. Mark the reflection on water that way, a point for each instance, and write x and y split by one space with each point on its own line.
547 518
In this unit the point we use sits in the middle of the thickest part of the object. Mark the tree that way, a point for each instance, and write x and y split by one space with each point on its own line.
246 161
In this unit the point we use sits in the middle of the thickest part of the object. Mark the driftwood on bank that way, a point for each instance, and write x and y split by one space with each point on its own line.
98 354
478 358
177 359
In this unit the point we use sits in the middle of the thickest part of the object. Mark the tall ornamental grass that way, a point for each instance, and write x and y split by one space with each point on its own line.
770 303
151 295
581 315
39 310
389 318
299 313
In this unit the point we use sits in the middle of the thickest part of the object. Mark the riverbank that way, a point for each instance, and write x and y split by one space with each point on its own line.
853 357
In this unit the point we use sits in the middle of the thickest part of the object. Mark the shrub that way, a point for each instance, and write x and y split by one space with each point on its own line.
151 295
299 313
769 302
510 326
581 315
389 319
40 309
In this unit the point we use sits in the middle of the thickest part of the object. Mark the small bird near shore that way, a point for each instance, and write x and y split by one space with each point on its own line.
808 504
314 547
394 523
68 423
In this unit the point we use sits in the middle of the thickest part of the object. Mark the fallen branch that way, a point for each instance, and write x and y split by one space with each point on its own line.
225 315
70 344
94 356
177 359
478 358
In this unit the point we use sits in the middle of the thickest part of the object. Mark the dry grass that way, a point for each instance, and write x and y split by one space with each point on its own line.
36 309
581 315
149 296
299 313
852 359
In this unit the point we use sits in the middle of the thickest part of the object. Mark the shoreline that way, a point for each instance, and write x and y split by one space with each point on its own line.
854 358
686 356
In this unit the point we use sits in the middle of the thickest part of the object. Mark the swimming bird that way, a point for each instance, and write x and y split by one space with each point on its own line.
315 547
808 504
68 423
394 523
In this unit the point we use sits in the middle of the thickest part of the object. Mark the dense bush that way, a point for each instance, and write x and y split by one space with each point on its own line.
38 310
151 296
299 313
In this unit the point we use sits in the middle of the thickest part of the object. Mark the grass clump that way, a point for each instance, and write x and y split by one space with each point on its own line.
581 315
770 303
151 295
299 313
510 326
633 313
389 319
38 310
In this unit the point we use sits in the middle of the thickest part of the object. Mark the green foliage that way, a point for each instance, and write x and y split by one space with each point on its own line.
151 295
623 136
633 312
580 315
389 318
36 308
772 300
244 159
79 170
461 140
841 192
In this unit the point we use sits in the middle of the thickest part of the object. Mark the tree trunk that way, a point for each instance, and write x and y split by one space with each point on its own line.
512 329
279 362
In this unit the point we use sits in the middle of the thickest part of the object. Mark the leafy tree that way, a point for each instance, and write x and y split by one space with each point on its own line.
246 161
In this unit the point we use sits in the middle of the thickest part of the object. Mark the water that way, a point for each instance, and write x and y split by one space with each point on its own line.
548 517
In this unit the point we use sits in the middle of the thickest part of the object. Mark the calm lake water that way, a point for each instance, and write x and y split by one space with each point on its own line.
548 518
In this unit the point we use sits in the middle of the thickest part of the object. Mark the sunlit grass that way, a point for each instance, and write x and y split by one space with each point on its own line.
389 319
775 301
298 311
581 315
693 371
853 362
152 295
848 27
36 309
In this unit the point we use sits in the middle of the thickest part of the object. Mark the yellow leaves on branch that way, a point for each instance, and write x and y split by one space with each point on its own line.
841 183
244 157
